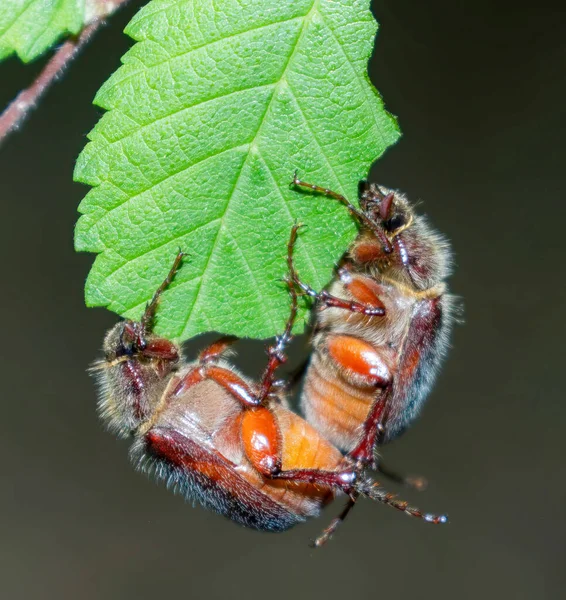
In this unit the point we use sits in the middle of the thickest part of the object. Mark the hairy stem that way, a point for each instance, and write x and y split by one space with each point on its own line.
17 111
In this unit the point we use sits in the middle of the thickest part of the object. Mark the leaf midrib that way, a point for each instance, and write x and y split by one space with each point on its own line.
306 19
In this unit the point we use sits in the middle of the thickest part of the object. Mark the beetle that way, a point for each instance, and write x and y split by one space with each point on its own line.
382 326
217 436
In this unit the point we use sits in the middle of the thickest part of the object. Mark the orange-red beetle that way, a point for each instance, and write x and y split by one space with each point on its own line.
217 436
382 326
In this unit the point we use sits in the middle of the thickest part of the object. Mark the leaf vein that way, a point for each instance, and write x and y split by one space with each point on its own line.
131 259
310 130
169 176
213 248
262 121
364 85
206 45
252 277
286 205
186 108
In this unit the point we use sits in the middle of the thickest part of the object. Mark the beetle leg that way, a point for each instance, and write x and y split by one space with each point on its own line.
149 313
359 359
326 299
358 214
261 440
336 522
217 349
373 429
371 367
230 381
337 480
363 289
276 353
373 491
262 444
329 301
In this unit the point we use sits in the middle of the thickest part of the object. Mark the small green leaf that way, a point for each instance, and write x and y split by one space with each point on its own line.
212 111
30 27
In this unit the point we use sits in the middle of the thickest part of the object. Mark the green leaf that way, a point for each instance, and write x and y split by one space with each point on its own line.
212 111
30 27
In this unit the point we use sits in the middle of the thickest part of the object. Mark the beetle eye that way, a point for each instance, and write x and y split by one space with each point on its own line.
394 223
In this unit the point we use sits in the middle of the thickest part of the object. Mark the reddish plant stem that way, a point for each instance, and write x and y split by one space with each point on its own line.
16 112
19 108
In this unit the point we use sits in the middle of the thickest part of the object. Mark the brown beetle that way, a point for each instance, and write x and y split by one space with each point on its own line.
381 328
218 437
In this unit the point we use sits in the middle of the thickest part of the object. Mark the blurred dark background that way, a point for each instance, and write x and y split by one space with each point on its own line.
480 93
